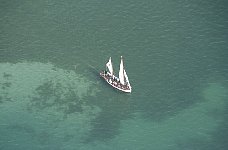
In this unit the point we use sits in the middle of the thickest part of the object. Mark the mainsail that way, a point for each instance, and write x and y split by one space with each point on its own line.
121 72
109 65
126 78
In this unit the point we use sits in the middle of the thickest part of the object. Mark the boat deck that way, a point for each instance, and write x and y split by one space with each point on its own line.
114 81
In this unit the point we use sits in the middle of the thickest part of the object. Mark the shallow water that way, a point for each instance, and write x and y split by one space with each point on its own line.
51 95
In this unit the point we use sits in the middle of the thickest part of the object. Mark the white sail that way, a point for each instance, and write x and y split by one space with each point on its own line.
109 65
121 72
126 78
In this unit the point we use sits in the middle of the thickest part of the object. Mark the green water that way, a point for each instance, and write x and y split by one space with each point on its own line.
175 53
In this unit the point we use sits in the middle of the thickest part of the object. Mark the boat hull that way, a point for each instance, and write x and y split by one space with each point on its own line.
114 82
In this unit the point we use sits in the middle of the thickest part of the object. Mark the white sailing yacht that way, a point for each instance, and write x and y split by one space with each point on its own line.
121 83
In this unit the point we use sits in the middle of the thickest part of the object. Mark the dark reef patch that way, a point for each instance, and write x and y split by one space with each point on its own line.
52 94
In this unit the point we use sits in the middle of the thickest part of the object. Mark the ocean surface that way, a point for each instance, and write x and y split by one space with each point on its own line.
175 54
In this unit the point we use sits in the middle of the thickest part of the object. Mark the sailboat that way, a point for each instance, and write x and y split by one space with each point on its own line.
122 82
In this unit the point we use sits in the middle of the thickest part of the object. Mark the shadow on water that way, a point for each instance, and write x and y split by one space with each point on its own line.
92 73
115 106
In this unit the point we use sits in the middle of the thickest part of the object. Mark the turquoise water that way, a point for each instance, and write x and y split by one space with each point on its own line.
175 53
